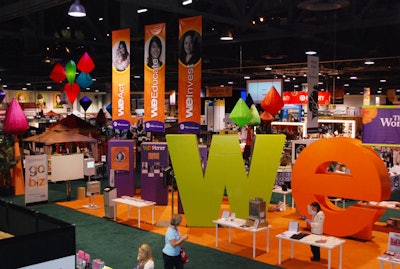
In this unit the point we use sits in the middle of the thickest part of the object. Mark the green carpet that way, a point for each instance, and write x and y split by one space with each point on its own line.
117 244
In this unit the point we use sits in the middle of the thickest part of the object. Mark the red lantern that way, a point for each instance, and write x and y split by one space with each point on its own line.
272 102
58 73
85 63
265 116
72 91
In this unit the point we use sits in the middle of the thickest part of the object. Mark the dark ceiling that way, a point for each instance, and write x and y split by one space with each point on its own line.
344 38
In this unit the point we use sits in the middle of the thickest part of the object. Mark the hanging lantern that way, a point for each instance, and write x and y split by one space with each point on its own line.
249 100
272 102
85 63
241 113
101 117
2 95
265 116
72 91
58 73
70 69
15 121
109 109
85 102
84 80
255 116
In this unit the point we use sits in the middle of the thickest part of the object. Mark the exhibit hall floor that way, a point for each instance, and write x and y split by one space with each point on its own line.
356 253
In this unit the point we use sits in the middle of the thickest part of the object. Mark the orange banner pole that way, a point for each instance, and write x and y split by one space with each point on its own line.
154 77
121 103
189 74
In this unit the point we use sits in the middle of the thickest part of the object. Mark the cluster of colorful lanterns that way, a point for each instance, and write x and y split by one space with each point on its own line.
246 113
84 80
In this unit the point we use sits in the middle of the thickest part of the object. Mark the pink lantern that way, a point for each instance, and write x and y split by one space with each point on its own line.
15 122
86 63
72 91
58 73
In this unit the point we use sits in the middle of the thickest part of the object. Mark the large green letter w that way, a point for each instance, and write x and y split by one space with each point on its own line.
202 195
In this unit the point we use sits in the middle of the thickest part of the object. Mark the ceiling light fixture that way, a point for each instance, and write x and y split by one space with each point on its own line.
323 5
77 10
142 10
369 62
311 52
227 37
186 2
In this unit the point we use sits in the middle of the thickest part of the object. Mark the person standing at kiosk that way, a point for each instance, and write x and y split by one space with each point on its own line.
317 226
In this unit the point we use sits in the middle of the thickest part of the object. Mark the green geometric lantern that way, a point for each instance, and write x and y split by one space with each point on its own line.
70 69
255 116
241 113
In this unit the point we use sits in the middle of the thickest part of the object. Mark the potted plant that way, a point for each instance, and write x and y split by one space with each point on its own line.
7 162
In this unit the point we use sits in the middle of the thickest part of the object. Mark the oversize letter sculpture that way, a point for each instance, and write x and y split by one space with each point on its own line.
368 181
201 195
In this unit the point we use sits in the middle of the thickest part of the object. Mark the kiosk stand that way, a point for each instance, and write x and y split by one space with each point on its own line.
92 187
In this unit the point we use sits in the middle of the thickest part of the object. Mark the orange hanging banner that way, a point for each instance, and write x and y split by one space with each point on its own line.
154 77
189 74
121 70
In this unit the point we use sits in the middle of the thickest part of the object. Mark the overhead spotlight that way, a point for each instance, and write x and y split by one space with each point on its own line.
186 2
142 10
226 37
311 52
369 62
268 68
323 5
77 10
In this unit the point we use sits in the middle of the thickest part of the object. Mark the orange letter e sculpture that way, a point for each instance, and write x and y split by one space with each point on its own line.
368 180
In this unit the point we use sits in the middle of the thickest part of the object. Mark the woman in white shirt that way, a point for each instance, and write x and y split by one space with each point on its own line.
145 258
317 226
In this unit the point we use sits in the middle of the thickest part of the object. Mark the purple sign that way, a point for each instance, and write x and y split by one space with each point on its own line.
189 127
381 125
154 126
121 124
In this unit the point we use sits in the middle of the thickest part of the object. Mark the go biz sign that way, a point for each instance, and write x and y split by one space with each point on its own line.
201 193
36 186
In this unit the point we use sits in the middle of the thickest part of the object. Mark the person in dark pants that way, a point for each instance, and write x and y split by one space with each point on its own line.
317 226
173 243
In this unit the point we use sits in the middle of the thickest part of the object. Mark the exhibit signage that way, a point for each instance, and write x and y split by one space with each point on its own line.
36 181
381 125
301 97
189 75
312 82
154 77
121 70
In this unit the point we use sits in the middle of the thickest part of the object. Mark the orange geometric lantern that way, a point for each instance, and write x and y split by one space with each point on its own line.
272 102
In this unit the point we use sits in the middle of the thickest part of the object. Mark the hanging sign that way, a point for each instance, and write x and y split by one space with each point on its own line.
189 75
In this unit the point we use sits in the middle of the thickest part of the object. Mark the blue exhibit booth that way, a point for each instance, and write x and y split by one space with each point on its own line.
121 167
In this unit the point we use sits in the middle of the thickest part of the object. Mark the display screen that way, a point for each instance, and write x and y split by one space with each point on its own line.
259 88
90 164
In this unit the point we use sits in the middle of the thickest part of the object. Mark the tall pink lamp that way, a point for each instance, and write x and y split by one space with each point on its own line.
16 123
